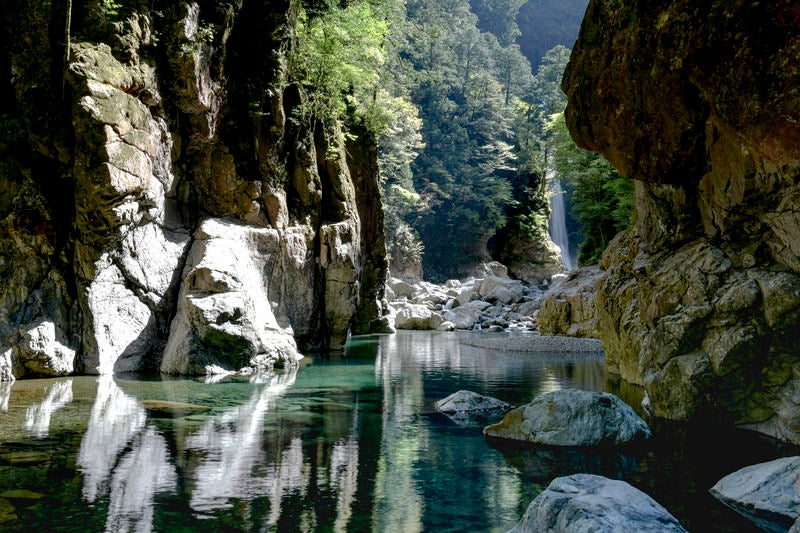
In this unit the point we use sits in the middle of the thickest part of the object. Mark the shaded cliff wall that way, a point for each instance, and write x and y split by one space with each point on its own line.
159 209
698 102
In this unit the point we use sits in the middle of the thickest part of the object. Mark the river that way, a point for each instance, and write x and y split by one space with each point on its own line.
348 443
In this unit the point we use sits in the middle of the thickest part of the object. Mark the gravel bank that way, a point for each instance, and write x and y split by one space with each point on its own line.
528 342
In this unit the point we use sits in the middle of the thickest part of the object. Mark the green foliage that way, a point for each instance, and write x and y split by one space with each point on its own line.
499 17
467 87
602 200
336 62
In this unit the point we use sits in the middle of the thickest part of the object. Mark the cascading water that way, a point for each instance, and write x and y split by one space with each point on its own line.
558 223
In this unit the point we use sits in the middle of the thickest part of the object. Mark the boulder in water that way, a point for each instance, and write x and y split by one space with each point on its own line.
768 493
468 401
585 502
572 418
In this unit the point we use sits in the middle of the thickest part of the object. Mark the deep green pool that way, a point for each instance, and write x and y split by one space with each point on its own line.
343 444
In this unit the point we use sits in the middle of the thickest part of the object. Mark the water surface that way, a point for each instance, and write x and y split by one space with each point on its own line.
347 443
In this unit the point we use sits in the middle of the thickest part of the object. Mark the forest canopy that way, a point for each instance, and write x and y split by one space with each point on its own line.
468 135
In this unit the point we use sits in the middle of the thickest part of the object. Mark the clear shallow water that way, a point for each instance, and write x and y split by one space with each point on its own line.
342 444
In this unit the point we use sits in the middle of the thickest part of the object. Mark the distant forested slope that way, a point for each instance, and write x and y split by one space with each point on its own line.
546 23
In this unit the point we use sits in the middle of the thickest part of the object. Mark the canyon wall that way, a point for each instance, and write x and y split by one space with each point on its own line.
159 207
699 103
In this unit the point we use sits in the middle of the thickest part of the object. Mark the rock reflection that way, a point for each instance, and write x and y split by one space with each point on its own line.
115 419
140 475
38 415
541 463
116 424
231 448
5 394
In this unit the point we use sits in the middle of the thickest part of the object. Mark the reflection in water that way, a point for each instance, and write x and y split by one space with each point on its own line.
398 499
117 423
350 444
115 419
38 415
5 394
140 475
230 445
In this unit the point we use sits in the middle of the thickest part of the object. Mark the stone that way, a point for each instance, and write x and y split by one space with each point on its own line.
586 502
8 513
96 238
21 494
489 284
465 297
467 315
416 316
568 308
224 314
466 401
572 418
765 493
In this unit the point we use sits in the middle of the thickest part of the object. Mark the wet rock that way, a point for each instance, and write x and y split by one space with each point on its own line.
25 458
585 502
467 401
572 418
768 493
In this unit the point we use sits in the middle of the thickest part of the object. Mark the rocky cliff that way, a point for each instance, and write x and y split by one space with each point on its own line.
698 102
159 207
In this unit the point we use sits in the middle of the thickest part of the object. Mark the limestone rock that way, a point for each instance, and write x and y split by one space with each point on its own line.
765 493
568 308
586 502
416 316
700 299
108 169
224 314
572 418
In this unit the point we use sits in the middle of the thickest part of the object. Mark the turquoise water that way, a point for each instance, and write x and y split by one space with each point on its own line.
341 444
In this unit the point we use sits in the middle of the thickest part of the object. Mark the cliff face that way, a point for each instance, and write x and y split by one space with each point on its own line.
698 102
159 209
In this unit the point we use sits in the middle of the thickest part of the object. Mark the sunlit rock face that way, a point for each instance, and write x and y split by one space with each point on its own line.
116 150
697 101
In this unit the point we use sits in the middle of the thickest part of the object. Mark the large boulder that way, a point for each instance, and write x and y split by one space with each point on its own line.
224 317
572 418
467 315
417 316
568 308
586 502
697 103
766 493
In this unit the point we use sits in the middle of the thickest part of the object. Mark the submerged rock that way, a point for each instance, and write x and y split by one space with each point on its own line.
585 502
572 418
768 493
167 409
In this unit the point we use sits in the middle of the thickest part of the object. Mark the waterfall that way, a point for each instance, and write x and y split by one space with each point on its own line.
558 224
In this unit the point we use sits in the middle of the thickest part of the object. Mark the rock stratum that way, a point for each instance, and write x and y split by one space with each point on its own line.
159 209
698 102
